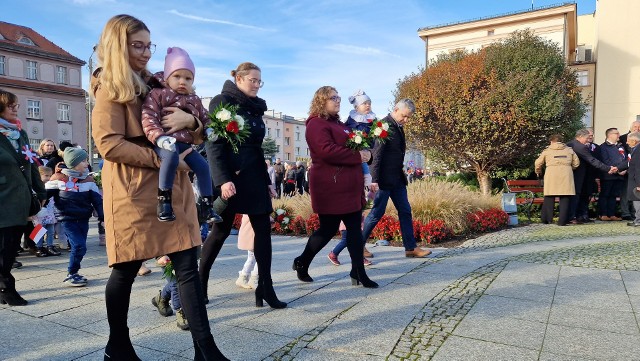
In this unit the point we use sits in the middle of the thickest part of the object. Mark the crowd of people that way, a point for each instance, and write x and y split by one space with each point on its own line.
144 126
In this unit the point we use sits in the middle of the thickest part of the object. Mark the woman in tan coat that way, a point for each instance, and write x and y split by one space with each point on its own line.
559 161
130 182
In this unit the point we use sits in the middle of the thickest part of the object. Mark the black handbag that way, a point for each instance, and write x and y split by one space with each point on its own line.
35 205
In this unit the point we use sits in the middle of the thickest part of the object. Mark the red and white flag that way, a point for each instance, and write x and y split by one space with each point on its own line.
37 233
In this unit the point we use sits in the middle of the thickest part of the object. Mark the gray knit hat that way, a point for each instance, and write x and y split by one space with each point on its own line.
73 156
358 98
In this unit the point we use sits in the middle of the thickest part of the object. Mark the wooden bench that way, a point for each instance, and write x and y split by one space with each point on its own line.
525 191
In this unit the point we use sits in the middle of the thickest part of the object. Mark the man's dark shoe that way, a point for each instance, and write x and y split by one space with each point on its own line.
16 264
627 218
576 221
633 224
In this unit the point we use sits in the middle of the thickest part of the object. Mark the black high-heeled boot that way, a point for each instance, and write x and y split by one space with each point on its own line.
165 210
207 214
358 276
119 348
207 350
11 297
301 270
265 291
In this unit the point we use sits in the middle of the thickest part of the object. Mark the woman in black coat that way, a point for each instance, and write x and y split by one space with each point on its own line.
243 180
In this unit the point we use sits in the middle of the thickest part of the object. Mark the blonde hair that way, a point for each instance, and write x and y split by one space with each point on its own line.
243 69
117 78
319 102
45 141
43 169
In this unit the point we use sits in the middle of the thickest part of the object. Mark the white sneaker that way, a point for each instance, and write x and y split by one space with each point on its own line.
253 281
243 280
367 180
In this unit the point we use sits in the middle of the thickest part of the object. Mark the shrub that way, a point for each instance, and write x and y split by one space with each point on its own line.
313 223
435 231
299 226
488 220
388 228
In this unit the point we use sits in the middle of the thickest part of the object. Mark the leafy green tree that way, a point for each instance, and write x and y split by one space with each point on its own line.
493 109
269 147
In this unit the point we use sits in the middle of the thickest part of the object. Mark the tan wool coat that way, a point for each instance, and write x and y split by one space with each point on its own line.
559 161
130 186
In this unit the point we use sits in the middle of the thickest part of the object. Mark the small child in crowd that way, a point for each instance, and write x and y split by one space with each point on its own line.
248 276
169 297
76 196
47 219
360 118
174 88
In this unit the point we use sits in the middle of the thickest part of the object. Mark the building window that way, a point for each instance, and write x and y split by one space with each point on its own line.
26 41
2 65
297 150
490 32
63 112
297 135
287 130
287 141
587 119
583 77
32 70
307 152
268 132
277 133
33 109
61 75
287 156
277 149
34 143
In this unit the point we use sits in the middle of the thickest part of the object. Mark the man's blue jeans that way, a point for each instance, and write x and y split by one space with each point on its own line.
76 232
400 200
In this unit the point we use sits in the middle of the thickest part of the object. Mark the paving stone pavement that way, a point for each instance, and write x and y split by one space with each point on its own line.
538 292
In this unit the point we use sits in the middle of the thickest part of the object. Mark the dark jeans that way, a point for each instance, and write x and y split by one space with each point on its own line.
626 207
400 200
76 232
170 289
546 214
329 225
609 191
279 187
9 242
118 294
220 231
194 160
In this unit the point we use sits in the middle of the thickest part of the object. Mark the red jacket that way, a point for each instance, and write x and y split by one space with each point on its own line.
336 182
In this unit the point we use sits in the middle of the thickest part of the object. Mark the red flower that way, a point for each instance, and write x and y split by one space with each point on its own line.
352 135
233 127
384 134
379 124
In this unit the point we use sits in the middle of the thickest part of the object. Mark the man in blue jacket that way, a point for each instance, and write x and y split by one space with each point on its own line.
613 154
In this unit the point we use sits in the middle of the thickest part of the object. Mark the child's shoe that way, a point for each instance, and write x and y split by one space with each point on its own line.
41 252
207 214
333 258
367 180
253 281
243 280
366 262
162 304
181 321
75 280
165 210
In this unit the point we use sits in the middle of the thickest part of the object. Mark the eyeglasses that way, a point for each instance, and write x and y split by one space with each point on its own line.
14 107
140 47
257 82
336 98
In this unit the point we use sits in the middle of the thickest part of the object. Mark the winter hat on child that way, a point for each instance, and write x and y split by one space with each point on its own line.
177 59
358 98
73 156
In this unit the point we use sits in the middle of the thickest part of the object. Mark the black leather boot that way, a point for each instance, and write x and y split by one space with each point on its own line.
42 252
265 291
207 214
165 210
11 297
207 350
301 270
359 276
119 347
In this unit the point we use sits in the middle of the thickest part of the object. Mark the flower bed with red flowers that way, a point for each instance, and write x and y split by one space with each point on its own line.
487 220
313 223
435 231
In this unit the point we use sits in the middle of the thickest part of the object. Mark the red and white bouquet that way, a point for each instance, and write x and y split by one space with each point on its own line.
359 140
226 123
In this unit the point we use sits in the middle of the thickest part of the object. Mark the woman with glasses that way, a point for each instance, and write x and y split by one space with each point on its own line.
15 192
336 182
130 182
243 180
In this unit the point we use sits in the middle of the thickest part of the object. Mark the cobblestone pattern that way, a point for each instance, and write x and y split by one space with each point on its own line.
438 318
623 255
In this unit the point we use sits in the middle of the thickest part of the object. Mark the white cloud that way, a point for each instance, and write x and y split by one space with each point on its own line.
358 50
216 21
91 2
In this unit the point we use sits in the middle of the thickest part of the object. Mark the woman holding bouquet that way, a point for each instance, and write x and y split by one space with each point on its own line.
336 182
239 170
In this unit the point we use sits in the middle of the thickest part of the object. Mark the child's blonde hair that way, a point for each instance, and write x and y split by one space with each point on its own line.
44 170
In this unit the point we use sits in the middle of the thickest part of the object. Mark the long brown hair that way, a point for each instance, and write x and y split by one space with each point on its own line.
319 102
6 99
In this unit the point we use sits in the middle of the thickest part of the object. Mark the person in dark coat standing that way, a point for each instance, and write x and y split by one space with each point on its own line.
582 148
336 184
626 207
243 180
300 171
633 189
612 154
15 192
389 180
279 168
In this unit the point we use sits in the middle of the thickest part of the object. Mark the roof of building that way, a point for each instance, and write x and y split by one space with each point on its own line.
498 16
26 40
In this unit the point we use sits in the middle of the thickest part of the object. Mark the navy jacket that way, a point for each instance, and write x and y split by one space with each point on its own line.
613 155
388 158
74 201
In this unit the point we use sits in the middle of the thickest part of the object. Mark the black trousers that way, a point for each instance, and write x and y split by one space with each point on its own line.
328 228
546 214
261 248
9 242
118 294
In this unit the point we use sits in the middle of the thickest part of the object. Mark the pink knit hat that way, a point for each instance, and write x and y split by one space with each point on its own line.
177 59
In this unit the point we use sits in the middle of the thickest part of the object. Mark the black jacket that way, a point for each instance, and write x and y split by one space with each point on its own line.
615 155
587 160
246 169
634 174
388 158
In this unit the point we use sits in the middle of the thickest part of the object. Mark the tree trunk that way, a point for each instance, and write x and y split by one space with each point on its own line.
484 181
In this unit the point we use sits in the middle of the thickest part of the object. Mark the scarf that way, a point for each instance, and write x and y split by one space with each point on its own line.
362 118
72 173
253 105
11 131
